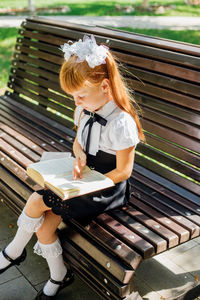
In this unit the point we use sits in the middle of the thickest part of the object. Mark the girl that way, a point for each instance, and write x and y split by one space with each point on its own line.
108 132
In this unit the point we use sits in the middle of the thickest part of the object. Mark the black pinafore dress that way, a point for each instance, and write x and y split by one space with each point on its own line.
90 205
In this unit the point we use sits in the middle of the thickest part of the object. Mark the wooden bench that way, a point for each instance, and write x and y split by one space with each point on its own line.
36 116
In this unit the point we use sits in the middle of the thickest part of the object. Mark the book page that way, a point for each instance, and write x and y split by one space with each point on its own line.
90 181
54 155
52 168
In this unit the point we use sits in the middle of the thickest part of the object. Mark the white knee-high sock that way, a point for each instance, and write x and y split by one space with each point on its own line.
26 227
53 254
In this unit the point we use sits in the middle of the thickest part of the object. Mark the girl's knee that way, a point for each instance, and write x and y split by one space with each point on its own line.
35 201
47 232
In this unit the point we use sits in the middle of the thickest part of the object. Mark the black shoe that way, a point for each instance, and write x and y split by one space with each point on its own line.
16 261
68 279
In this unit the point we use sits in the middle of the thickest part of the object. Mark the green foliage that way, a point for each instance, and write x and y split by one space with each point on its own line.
107 7
7 42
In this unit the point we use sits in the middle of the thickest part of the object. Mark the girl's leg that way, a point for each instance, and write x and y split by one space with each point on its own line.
49 247
28 222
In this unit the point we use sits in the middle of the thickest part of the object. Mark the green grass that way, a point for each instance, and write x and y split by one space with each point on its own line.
7 42
106 7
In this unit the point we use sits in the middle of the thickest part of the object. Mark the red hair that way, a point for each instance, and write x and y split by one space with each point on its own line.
73 76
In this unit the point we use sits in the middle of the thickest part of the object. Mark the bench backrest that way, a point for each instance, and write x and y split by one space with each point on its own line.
164 75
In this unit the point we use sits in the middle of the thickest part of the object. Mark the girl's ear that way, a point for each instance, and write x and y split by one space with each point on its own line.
105 85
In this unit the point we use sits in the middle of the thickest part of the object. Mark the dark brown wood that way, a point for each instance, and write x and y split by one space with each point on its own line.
34 128
168 174
15 184
161 219
10 199
168 235
115 246
175 71
167 95
173 136
103 257
173 214
170 162
29 119
37 116
172 149
159 243
163 190
131 237
166 55
24 150
165 81
123 35
92 268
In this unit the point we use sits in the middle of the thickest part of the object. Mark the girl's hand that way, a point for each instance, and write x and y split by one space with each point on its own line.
79 164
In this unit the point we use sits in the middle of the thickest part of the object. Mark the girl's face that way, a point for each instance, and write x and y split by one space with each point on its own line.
92 98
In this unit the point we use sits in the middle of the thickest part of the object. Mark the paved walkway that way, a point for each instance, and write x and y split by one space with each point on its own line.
174 23
157 278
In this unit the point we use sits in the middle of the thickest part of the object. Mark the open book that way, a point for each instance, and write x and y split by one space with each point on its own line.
56 174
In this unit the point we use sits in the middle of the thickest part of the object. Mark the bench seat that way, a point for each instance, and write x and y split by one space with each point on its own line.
164 207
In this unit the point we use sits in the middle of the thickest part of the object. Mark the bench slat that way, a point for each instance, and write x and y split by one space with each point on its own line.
172 149
165 81
118 248
146 50
170 162
13 142
19 137
100 274
10 198
14 183
54 127
22 85
167 211
83 274
171 238
15 154
99 254
27 135
186 212
167 174
130 237
159 243
167 95
158 66
123 35
163 189
35 128
162 219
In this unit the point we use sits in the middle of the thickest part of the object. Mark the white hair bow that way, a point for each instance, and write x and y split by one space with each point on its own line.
86 49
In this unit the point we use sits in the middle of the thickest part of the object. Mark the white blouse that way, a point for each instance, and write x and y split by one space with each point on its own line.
119 133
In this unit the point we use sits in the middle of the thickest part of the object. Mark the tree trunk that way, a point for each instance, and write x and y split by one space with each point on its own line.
145 3
31 6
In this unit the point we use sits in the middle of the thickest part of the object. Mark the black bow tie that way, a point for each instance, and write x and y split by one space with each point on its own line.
93 118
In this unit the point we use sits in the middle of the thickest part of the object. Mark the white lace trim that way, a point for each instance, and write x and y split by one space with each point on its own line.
29 224
48 250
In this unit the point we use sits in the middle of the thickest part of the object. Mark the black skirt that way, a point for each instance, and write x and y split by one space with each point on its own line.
90 205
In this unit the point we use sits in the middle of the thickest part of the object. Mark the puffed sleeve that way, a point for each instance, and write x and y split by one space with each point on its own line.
123 132
77 113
